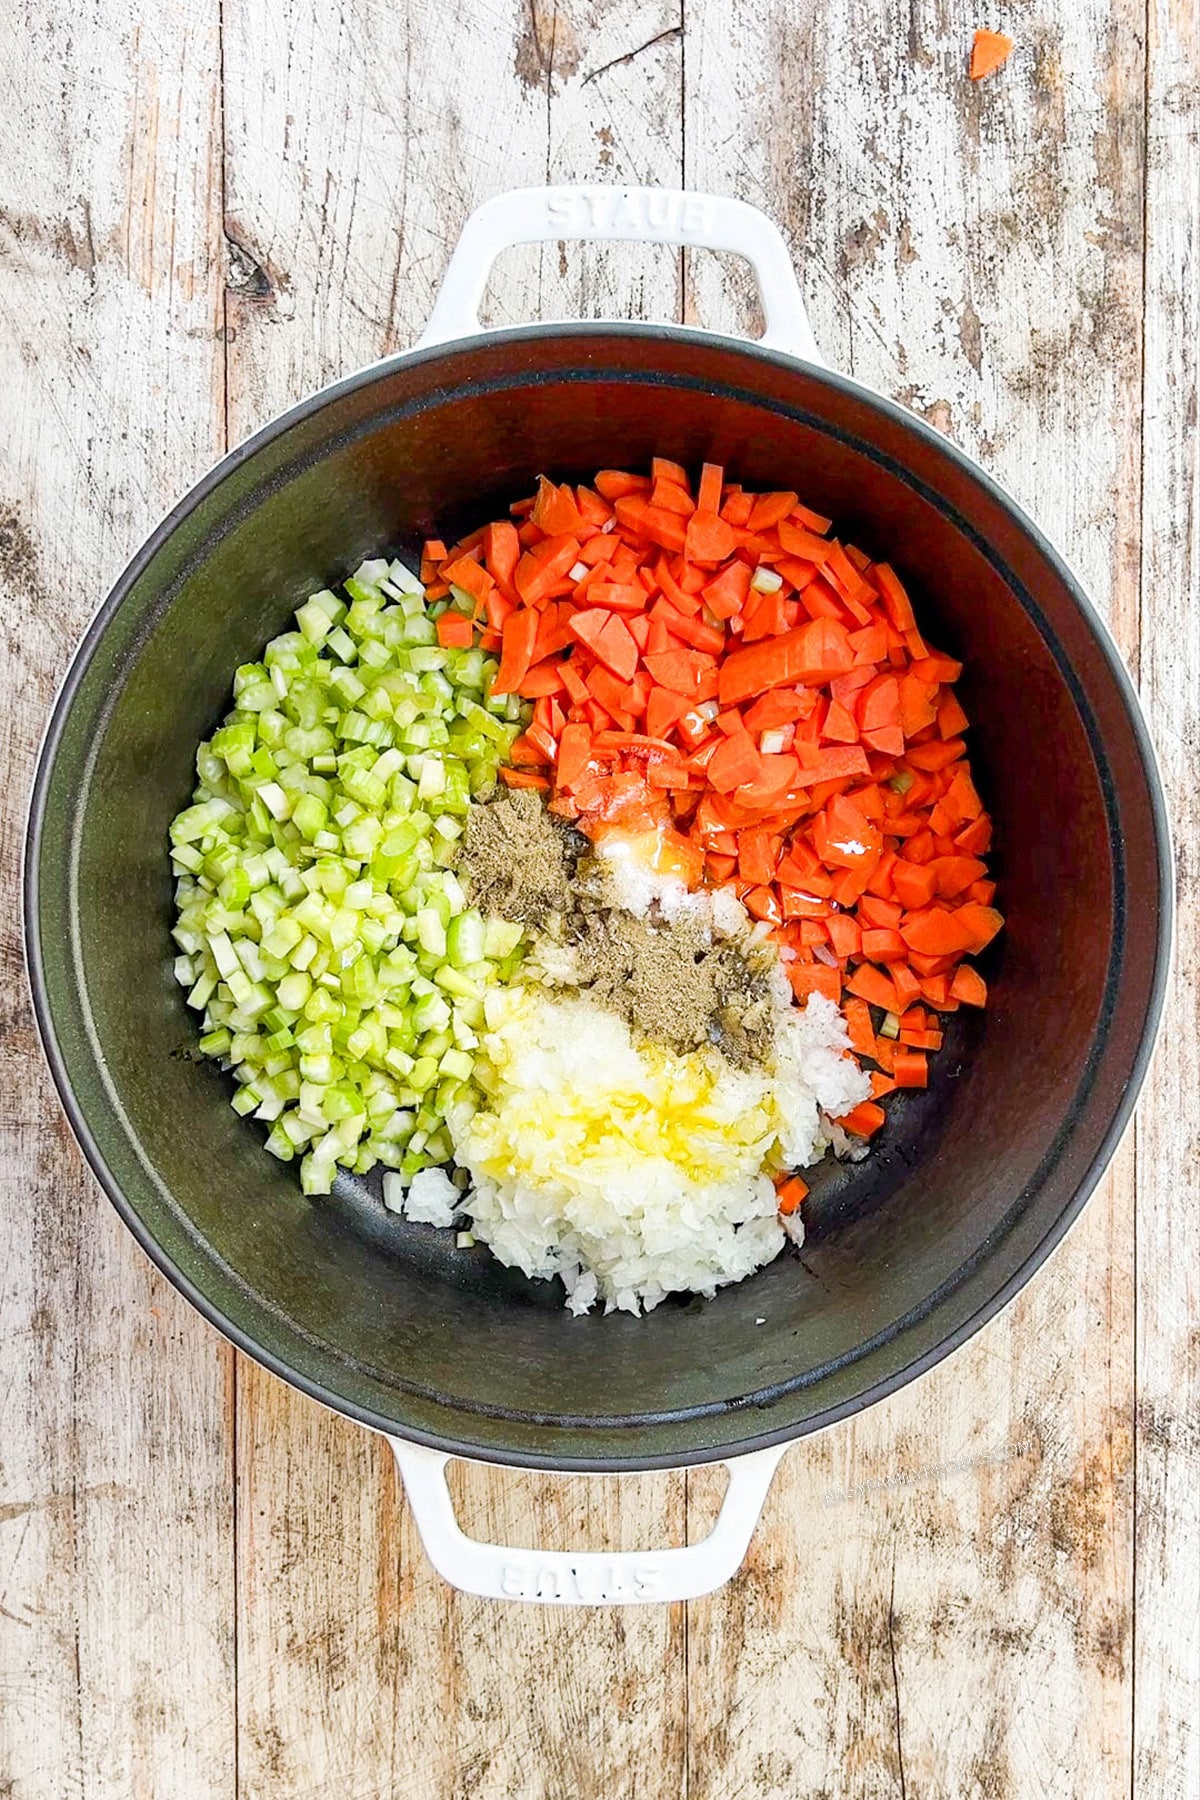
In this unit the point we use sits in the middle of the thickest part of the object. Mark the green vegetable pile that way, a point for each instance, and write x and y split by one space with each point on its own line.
322 932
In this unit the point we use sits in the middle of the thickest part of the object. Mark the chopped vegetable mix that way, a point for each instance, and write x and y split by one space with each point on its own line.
703 668
713 666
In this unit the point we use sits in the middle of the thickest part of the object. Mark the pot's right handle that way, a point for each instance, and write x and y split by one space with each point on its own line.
589 1577
642 215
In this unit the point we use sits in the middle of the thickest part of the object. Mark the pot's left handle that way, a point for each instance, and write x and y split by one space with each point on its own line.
590 1577
640 215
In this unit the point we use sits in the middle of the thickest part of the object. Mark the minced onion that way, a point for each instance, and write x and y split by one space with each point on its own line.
322 932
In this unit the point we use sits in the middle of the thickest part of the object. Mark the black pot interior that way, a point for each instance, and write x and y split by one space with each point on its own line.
972 1181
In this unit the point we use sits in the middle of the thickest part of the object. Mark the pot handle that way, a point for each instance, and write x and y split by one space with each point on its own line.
641 215
590 1577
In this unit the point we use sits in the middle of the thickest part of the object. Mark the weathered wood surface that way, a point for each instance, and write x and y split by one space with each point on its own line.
1166 1647
988 1585
116 1472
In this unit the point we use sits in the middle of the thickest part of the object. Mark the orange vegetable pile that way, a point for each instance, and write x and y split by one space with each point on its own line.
716 669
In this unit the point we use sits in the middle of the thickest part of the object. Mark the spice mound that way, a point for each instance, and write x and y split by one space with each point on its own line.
682 970
644 1080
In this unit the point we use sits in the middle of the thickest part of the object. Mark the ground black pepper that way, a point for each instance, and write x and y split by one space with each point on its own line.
668 979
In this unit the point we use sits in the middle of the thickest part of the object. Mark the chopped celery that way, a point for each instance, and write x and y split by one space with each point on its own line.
338 969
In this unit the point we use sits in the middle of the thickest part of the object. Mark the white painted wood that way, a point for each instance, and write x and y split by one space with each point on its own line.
1167 1589
116 1565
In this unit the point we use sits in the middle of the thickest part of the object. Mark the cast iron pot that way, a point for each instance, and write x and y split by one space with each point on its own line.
971 1185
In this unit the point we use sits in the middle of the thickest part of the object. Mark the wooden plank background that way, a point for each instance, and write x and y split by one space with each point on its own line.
989 1585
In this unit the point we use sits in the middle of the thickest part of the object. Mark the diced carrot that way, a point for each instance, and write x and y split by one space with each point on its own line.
556 510
708 494
769 509
651 522
615 484
791 1194
672 498
709 538
935 931
691 631
734 762
594 510
981 923
540 568
617 596
845 935
519 635
574 747
725 595
895 600
455 631
615 696
805 544
873 985
968 986
990 50
864 1120
679 670
810 654
877 887
607 636
524 778
910 1069
814 978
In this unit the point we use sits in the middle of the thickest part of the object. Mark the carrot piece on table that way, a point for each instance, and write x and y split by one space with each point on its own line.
990 50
